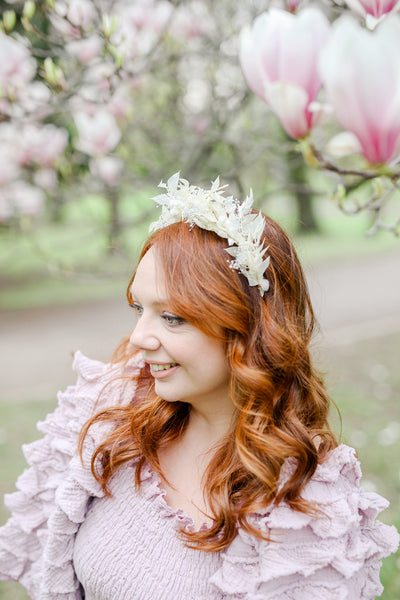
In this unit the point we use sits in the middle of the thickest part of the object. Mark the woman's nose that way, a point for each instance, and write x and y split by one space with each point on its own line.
144 337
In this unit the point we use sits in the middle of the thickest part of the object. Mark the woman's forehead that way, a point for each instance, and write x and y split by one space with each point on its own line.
149 281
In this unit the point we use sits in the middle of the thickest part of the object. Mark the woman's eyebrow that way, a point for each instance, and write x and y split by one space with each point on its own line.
159 302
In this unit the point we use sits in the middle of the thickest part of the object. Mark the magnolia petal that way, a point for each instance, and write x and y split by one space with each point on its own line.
361 73
343 144
375 9
289 103
250 64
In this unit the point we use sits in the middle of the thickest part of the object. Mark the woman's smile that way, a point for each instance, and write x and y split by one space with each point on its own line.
161 371
187 364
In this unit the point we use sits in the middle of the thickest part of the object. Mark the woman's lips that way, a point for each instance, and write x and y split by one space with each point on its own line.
163 373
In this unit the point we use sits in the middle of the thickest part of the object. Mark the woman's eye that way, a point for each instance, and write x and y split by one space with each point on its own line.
172 319
137 308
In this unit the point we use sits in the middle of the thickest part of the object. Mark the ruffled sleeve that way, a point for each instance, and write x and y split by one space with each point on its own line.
36 544
335 554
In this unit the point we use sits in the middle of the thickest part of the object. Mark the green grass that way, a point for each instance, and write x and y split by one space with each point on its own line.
18 427
69 261
364 381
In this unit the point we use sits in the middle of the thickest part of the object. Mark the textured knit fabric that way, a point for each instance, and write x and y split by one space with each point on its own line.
67 541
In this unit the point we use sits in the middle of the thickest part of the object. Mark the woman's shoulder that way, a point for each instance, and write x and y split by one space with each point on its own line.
333 553
100 384
52 494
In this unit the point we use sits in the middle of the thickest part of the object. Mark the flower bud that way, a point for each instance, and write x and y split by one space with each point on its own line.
29 9
109 25
9 19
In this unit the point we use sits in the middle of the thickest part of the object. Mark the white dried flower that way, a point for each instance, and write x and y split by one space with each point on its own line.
226 216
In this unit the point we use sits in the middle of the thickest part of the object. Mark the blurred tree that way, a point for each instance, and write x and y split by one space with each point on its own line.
109 96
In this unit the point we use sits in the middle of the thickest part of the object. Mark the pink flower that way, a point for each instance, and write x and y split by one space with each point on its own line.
120 104
41 144
81 13
361 73
107 168
279 58
191 21
87 49
98 133
17 67
20 198
50 143
375 8
138 26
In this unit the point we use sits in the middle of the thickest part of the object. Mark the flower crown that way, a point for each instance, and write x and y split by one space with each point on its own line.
226 216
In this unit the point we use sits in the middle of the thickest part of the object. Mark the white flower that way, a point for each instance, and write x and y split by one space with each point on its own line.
211 210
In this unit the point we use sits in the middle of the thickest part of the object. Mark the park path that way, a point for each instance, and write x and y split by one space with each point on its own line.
354 299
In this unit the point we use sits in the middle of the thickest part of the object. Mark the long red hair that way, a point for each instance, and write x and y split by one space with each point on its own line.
282 405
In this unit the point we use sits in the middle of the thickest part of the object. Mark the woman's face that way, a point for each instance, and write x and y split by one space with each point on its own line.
186 364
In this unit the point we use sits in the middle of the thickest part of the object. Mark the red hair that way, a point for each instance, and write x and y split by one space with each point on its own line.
282 406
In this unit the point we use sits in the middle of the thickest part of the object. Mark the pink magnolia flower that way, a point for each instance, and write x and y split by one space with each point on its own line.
20 198
107 168
17 67
87 49
98 133
120 104
361 73
279 58
191 20
148 14
138 25
49 144
41 144
81 13
375 8
35 97
59 21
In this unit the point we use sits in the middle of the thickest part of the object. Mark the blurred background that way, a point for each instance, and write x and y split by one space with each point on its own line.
108 98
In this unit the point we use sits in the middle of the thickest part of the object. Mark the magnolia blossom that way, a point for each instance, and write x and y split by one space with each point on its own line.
50 143
40 144
20 198
361 73
279 58
59 21
86 50
138 26
35 97
98 133
107 168
120 104
375 8
17 67
191 20
81 13
147 14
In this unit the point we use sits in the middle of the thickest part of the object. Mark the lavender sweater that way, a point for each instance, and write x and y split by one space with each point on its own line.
66 541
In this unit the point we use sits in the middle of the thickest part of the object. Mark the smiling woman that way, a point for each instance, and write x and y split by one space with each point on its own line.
207 467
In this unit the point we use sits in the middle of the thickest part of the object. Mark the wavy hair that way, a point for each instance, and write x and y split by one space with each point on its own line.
282 405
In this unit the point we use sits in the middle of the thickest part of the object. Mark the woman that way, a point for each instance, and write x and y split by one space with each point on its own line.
207 467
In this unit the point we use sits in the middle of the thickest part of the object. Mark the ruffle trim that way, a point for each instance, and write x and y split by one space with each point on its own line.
335 555
151 489
36 544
